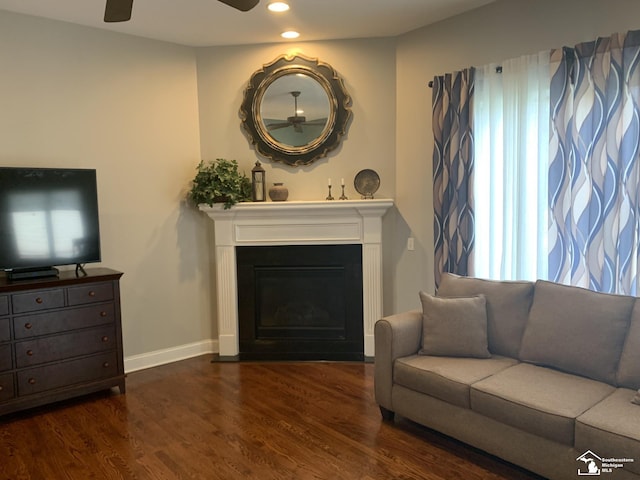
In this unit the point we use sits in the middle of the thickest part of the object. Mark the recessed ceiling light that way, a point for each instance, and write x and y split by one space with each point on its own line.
278 7
290 34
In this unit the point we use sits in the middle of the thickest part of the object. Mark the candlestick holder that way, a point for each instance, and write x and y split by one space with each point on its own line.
329 197
343 196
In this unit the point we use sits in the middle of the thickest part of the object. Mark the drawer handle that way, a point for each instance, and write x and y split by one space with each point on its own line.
28 326
32 381
39 300
105 364
30 353
92 293
1 388
103 314
105 339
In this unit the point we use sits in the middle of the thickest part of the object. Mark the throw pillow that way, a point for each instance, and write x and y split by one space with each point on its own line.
454 327
508 304
636 398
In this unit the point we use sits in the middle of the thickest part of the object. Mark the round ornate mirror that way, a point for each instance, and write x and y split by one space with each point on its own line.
295 110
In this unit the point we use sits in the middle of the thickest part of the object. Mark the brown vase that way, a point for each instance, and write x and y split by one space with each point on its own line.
278 193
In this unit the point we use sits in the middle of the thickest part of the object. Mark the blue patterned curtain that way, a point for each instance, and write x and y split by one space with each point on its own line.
594 170
453 173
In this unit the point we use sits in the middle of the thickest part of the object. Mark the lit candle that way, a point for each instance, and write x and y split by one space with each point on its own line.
329 182
342 182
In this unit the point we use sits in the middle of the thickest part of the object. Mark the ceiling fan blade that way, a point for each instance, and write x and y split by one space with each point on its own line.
118 10
317 121
276 126
242 5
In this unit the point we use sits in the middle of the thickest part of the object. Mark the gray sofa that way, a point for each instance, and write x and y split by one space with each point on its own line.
542 375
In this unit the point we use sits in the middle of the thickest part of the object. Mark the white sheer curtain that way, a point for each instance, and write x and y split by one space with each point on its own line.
511 124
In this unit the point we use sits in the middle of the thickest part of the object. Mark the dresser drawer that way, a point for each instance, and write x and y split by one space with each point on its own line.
97 292
7 391
5 357
66 374
38 300
28 326
60 347
4 305
5 330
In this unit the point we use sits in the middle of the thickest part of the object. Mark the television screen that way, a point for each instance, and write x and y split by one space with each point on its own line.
48 217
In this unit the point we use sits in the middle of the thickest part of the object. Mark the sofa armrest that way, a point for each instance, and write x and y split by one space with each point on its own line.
396 336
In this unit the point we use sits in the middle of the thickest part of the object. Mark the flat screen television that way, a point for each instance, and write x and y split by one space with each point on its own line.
48 218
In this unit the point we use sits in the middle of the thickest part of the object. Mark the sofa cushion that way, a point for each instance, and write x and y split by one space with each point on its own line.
446 378
454 327
538 400
629 366
611 429
576 330
508 305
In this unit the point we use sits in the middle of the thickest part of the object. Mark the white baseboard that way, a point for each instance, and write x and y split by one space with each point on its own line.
169 355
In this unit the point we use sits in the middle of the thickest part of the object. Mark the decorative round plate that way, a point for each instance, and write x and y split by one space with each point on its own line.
367 183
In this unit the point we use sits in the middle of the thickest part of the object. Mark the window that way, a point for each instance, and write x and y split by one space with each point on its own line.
511 131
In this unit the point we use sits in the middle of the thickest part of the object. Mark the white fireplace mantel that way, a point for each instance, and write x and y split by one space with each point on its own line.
297 223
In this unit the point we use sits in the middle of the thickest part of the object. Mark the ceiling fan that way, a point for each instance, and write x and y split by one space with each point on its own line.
296 121
120 10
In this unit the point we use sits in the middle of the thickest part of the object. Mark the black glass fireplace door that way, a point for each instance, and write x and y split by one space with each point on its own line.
301 302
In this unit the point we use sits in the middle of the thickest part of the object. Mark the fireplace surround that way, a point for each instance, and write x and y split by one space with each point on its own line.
346 222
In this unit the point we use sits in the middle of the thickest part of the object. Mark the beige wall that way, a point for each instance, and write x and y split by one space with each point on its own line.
368 70
496 32
143 113
80 97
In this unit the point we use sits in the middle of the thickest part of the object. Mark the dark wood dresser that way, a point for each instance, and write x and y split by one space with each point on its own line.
60 337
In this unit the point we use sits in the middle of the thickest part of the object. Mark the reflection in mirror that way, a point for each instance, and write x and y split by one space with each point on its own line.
295 109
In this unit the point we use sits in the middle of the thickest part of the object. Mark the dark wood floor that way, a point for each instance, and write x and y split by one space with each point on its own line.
201 420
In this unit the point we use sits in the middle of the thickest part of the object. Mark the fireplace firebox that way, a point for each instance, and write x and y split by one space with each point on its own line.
300 302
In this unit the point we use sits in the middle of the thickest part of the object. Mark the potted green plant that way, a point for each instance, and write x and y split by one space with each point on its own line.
220 181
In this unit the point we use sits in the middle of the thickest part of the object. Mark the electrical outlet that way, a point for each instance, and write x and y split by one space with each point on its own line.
410 245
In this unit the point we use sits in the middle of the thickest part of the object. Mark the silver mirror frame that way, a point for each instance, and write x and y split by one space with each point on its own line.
337 122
